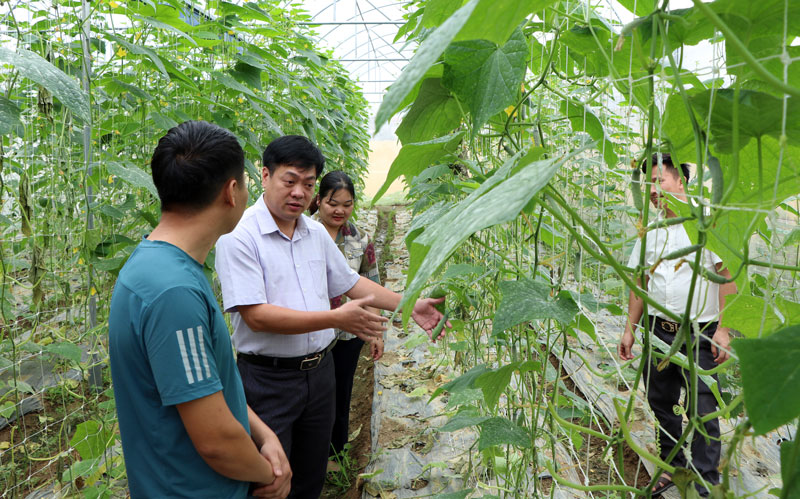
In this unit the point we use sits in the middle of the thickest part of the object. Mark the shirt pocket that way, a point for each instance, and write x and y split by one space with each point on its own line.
319 277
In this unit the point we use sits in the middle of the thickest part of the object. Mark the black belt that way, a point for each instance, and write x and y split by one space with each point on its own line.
303 363
673 327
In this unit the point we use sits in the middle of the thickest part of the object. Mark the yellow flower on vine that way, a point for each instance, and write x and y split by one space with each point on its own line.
113 4
121 52
230 32
241 101
137 36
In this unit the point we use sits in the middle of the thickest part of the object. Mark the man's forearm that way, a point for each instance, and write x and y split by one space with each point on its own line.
221 440
259 431
280 320
635 310
384 298
729 288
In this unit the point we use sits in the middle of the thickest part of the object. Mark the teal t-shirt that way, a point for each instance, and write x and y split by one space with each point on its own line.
169 344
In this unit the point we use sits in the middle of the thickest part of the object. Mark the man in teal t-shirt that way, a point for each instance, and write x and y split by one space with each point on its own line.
185 426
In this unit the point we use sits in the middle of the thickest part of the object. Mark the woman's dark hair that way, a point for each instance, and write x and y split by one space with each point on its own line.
191 164
293 150
666 160
330 183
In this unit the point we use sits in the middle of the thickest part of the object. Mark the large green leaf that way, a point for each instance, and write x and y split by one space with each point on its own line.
760 114
770 378
91 439
750 20
745 313
428 53
60 84
767 176
415 157
464 382
499 431
464 419
66 350
494 382
582 118
768 50
642 7
790 468
525 300
583 43
485 76
9 115
677 130
495 20
437 11
499 199
434 113
134 176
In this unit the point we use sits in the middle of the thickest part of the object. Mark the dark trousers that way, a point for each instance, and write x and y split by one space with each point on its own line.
345 356
663 392
299 407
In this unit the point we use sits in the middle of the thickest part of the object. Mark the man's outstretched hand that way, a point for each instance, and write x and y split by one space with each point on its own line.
427 316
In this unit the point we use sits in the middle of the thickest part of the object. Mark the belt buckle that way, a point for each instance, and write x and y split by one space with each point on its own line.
669 326
310 363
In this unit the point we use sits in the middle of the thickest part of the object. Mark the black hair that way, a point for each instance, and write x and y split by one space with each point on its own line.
191 164
293 150
666 160
330 183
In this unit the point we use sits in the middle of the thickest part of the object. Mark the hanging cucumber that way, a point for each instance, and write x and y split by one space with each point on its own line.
438 329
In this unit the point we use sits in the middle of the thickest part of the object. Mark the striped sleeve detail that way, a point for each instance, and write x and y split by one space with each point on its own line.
193 354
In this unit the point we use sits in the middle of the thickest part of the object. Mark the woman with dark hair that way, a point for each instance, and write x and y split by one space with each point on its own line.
332 207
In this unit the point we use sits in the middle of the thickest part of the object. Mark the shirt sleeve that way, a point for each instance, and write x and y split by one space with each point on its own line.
341 278
713 259
179 347
240 273
633 259
369 263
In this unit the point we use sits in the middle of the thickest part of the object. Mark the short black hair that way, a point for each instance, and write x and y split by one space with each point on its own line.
293 150
191 164
666 160
330 184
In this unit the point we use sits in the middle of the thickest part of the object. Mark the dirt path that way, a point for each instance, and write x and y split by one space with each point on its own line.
345 484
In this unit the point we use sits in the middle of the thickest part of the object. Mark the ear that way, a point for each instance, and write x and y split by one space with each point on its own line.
264 175
229 192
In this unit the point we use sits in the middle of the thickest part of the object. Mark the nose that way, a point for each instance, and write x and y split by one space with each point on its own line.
297 192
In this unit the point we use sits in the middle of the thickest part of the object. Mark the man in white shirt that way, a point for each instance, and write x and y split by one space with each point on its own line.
668 284
278 271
